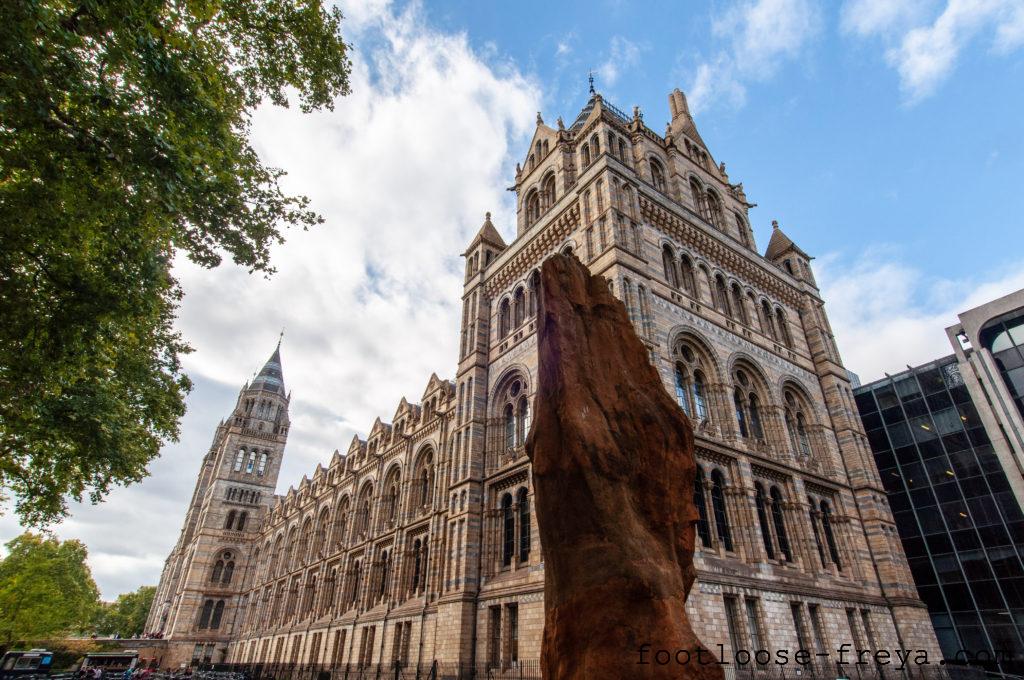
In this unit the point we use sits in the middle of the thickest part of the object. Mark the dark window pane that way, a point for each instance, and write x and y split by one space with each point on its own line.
914 547
986 594
947 492
994 535
915 408
893 415
932 596
988 459
1016 531
964 463
955 513
922 497
899 435
939 401
885 459
1015 381
978 436
975 565
906 524
955 442
966 539
907 388
958 597
913 475
931 449
960 394
906 454
921 568
947 421
947 569
1005 562
939 544
931 381
983 511
891 480
1008 359
878 441
997 481
922 427
899 502
871 421
975 487
886 397
938 470
931 523
1009 505
865 402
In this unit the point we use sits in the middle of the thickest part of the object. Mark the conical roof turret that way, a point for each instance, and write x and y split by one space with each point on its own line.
271 377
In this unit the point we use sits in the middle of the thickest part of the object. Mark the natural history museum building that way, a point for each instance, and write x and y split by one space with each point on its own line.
420 541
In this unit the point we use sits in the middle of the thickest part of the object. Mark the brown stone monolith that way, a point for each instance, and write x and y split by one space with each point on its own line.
613 471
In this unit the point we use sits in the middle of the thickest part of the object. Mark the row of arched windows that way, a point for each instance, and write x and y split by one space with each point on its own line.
728 299
514 311
252 460
236 521
515 520
538 201
223 568
243 495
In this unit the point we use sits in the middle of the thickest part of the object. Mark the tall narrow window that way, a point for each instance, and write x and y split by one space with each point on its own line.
801 432
230 522
205 614
718 505
251 463
755 418
657 176
689 282
218 612
784 336
733 622
741 418
702 508
754 626
798 624
524 525
522 421
682 389
762 520
699 402
416 564
510 427
812 512
239 459
826 523
263 465
508 520
520 307
504 318
780 525
668 263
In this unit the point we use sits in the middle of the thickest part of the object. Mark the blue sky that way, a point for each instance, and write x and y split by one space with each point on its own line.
884 135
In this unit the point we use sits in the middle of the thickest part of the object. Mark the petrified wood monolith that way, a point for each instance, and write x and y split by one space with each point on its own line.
613 471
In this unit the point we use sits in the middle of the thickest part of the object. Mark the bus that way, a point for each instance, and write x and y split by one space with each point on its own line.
111 662
22 664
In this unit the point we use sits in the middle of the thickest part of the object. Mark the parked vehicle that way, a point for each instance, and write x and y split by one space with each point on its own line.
21 664
111 662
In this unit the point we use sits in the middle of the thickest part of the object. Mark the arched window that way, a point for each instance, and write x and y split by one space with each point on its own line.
417 564
522 421
510 427
699 204
520 306
766 320
508 521
230 522
722 296
682 389
341 523
385 570
229 571
779 523
622 151
218 572
718 505
584 155
532 207
392 498
668 263
218 612
741 230
250 465
657 176
801 434
357 574
755 417
702 509
425 478
534 291
595 143
780 319
714 210
504 318
689 282
699 399
263 465
548 192
741 418
812 515
737 304
205 614
762 520
524 524
239 459
240 524
826 523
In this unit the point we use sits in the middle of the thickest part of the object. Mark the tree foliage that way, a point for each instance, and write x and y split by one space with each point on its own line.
124 139
126 616
46 589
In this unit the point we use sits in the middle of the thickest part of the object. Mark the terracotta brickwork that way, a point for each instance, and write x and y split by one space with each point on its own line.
420 541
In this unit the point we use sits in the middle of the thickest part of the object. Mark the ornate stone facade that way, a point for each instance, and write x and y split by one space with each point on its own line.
420 542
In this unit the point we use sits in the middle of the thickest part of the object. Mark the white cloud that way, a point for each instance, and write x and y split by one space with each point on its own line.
623 55
403 170
758 37
887 314
924 53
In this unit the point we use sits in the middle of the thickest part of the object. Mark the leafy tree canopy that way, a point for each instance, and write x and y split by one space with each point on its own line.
124 138
126 616
46 589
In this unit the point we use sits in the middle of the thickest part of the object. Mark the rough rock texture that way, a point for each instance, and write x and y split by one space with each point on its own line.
613 471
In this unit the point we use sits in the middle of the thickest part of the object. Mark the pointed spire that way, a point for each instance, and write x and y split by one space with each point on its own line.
780 244
488 234
271 378
591 79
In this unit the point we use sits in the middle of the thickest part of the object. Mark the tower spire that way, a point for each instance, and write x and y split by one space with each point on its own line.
591 79
271 377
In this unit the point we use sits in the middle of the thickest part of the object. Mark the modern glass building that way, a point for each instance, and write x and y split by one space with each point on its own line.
959 520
